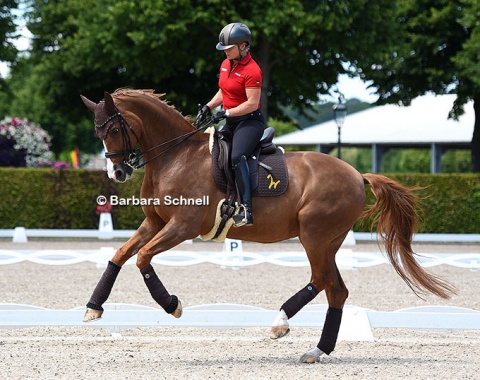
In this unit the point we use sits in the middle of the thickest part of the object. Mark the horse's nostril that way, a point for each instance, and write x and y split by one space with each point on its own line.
118 173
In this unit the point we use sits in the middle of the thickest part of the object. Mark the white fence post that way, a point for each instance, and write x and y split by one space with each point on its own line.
105 226
20 235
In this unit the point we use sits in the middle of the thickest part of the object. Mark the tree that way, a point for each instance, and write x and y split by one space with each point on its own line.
438 52
8 52
89 47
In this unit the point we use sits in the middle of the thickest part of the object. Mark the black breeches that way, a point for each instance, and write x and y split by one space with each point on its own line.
246 136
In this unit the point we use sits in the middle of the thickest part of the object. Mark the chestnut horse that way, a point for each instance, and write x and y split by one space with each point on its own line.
324 198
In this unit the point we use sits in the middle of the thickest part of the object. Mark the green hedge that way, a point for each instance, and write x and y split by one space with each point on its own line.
450 203
47 198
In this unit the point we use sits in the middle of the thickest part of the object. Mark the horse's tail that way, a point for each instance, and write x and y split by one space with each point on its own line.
395 213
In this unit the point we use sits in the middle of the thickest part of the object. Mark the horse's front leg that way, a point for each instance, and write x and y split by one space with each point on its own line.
104 287
170 236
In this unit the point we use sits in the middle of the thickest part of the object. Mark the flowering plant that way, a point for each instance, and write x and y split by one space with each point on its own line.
107 207
23 143
55 165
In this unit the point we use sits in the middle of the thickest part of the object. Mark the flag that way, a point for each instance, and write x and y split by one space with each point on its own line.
75 156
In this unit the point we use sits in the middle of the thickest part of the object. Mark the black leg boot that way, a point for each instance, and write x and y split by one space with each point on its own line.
242 179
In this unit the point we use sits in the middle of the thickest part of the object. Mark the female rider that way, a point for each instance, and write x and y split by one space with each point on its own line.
240 86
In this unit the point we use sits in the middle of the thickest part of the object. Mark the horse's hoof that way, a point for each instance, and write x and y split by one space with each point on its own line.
92 315
178 311
278 332
307 358
312 356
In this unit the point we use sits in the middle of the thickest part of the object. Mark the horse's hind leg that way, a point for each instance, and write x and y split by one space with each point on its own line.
325 276
337 294
291 307
318 261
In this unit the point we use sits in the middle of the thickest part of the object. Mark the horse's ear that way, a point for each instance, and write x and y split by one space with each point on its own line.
90 105
109 105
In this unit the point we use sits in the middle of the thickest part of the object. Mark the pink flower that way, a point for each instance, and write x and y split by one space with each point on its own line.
107 207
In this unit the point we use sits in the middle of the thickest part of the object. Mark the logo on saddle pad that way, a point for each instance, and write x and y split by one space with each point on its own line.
273 183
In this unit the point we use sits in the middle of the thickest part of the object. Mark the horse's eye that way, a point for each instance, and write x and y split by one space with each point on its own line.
115 131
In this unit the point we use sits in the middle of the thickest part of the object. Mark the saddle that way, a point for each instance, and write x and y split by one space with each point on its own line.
268 176
267 166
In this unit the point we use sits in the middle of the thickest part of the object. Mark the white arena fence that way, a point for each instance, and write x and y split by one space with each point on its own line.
21 234
356 326
346 258
357 322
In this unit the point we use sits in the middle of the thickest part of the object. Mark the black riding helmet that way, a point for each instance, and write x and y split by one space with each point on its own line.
234 34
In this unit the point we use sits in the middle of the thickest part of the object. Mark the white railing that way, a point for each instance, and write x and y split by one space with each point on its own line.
357 322
21 234
346 258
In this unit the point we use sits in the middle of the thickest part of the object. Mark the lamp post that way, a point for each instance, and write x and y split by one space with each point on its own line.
339 114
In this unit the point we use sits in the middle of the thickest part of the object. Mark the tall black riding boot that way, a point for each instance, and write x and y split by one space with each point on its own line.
242 179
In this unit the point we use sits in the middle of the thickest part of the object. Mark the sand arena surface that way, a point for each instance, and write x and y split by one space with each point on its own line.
194 353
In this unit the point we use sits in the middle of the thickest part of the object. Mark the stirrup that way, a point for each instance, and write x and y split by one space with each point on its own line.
243 218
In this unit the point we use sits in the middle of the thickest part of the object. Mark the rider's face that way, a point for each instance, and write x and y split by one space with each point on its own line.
234 51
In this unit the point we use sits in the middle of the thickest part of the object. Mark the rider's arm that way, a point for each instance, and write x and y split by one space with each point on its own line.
216 100
250 105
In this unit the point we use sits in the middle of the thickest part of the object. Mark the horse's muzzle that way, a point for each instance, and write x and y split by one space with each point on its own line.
122 172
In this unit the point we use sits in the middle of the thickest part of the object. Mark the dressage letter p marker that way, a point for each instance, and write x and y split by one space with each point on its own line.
233 246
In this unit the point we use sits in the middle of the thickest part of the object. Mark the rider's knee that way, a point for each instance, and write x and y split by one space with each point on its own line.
237 158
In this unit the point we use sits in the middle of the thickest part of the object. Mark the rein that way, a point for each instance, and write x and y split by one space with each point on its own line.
133 157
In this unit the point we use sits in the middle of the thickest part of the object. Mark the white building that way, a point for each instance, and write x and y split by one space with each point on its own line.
424 124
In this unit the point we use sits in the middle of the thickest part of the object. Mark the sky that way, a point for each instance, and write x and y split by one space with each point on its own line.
353 88
21 43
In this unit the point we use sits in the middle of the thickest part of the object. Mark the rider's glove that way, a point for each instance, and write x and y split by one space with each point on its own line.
219 116
203 113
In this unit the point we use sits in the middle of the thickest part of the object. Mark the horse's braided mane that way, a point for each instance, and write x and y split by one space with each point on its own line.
125 91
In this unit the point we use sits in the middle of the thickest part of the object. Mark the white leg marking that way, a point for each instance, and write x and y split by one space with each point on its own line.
280 326
110 171
281 320
312 356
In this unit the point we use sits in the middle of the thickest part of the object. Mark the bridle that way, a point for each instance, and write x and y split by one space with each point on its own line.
135 157
128 151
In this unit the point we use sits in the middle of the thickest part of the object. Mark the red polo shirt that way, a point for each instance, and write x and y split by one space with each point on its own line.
233 83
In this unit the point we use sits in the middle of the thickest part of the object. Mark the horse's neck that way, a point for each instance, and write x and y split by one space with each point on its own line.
164 125
166 133
185 161
161 123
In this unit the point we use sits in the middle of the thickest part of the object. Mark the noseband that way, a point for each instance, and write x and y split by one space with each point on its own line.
133 157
